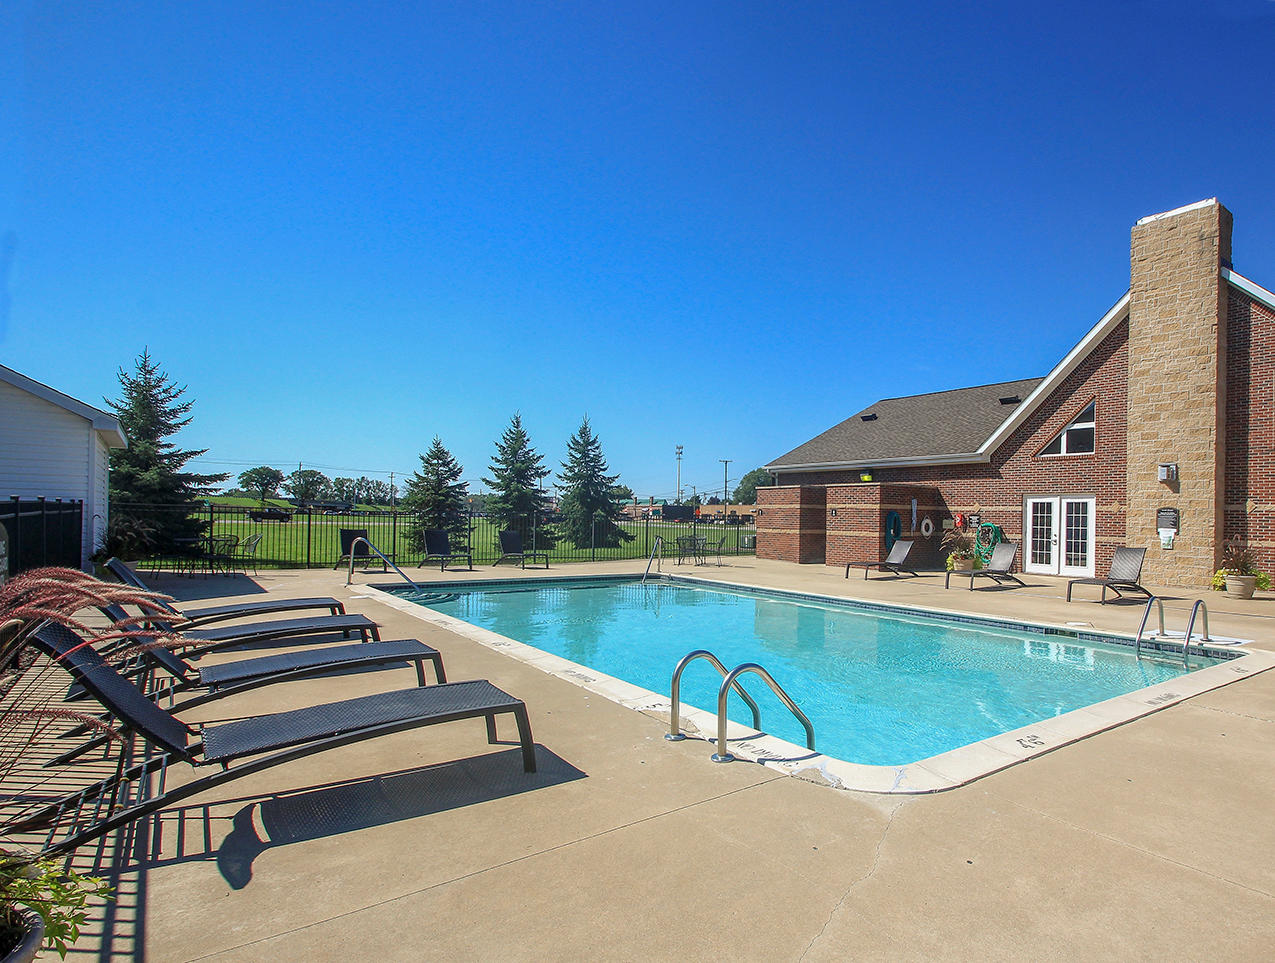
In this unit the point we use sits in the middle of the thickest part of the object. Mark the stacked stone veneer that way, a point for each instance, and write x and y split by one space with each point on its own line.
1177 388
1249 508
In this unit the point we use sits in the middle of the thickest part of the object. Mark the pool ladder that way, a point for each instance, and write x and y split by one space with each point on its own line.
730 680
379 554
1161 636
658 546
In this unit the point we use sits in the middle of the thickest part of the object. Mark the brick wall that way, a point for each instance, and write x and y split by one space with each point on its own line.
1177 387
1250 426
996 489
790 523
856 533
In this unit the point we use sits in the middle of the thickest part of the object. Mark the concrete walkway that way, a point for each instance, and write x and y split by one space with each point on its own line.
1151 840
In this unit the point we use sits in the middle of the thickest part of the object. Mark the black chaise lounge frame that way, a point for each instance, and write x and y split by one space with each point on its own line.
1126 569
999 567
438 548
231 678
895 562
218 613
511 547
199 641
282 737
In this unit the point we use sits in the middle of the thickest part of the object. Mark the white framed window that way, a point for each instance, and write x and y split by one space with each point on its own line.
1078 438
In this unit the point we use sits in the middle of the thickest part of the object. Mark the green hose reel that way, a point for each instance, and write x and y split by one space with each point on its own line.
986 539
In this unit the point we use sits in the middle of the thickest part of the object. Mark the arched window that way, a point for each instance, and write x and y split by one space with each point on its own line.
1077 438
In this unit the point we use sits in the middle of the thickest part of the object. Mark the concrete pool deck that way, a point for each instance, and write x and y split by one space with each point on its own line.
1150 839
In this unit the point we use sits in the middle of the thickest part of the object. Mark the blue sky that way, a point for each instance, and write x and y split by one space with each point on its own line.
349 227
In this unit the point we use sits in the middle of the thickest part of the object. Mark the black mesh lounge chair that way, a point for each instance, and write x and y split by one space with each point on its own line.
231 678
205 640
438 548
895 562
999 568
511 547
1126 569
270 739
357 553
219 613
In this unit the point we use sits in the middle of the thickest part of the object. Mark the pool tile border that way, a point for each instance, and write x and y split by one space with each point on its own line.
948 770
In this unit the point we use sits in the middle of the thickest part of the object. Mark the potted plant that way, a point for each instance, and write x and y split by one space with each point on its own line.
959 545
41 902
1239 575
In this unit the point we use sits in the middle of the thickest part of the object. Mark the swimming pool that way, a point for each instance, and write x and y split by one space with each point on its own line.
884 686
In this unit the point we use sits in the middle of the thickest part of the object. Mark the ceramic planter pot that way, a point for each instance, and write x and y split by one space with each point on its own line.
1241 586
962 565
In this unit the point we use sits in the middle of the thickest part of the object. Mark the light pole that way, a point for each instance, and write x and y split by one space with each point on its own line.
678 451
725 482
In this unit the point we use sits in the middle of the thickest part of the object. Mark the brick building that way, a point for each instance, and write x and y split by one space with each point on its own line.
1167 403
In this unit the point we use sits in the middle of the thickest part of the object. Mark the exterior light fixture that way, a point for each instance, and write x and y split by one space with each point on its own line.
1168 471
865 476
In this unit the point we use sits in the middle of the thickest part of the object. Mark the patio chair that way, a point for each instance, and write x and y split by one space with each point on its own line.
218 613
200 641
1125 570
359 553
231 678
268 739
998 569
221 553
438 548
692 547
717 548
896 561
511 547
247 553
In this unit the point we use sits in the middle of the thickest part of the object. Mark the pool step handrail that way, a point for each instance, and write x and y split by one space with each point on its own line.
1198 608
381 555
657 547
675 733
732 679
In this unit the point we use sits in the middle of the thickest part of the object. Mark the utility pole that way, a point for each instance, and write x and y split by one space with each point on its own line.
391 491
725 483
679 474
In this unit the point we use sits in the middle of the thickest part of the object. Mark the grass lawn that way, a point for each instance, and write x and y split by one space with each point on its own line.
314 540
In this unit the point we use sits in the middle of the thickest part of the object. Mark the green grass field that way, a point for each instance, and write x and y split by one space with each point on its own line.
314 540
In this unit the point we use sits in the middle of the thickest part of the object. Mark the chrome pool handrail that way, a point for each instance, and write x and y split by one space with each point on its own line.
379 554
721 755
1199 606
675 711
1146 614
658 546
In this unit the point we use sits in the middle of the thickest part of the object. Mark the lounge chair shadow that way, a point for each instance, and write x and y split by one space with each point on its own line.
189 589
378 800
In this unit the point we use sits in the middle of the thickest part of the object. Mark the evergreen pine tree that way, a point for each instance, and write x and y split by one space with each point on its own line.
591 499
149 491
515 500
436 497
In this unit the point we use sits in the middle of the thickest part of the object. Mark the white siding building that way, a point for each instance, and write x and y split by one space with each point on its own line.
54 446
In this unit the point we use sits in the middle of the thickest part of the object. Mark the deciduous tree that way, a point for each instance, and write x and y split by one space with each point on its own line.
263 481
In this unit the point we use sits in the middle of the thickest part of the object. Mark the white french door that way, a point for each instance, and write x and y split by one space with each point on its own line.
1059 532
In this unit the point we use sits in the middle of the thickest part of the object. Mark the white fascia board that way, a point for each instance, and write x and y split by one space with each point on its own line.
1254 291
1020 414
963 458
108 425
1104 327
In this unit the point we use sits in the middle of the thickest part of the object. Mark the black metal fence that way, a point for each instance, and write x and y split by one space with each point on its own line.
312 539
40 531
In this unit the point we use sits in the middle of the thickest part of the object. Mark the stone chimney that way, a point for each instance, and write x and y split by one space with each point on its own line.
1177 387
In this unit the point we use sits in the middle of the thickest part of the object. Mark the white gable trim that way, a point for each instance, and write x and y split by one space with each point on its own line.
1119 311
105 424
1254 291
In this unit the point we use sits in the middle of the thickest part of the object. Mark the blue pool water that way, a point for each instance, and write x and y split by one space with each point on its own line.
882 687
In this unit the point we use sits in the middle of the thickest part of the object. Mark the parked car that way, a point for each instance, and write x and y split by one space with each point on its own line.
269 515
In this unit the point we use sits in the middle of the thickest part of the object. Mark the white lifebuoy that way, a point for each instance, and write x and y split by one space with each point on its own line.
927 526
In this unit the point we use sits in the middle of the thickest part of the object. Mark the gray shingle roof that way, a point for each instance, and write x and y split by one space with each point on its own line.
920 426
